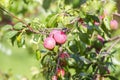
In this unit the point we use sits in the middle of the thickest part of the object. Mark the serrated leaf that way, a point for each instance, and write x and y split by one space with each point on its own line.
10 34
18 26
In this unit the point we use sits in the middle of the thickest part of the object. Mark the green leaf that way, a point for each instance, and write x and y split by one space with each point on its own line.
110 6
71 62
106 23
97 29
46 59
91 18
18 26
36 37
76 3
84 38
56 49
73 46
10 34
97 44
82 46
112 78
46 4
6 27
38 55
20 40
105 30
67 1
27 1
86 61
52 20
83 28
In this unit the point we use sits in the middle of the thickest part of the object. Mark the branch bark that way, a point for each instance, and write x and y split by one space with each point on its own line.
112 45
113 39
117 14
29 27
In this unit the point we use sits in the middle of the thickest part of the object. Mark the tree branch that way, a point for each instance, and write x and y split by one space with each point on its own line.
29 27
20 20
13 16
117 14
116 39
113 38
110 48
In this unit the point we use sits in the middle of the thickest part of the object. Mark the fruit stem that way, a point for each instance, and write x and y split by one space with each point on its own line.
58 59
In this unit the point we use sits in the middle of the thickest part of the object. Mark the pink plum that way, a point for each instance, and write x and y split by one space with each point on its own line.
113 24
49 43
60 37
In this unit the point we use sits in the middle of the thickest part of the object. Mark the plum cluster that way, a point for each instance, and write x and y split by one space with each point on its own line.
55 37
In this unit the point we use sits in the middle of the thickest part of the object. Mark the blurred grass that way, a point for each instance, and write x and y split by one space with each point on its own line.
19 62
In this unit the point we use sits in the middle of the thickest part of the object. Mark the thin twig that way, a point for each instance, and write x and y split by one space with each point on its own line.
117 14
13 16
117 38
20 20
113 38
29 27
110 48
94 77
106 53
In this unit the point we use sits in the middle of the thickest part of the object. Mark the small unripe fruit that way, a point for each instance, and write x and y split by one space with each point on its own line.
60 72
100 38
60 37
81 20
113 24
96 23
49 43
54 77
63 57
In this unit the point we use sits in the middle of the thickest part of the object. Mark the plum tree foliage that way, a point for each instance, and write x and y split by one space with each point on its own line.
69 38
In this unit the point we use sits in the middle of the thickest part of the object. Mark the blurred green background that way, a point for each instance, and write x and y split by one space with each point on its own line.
16 62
